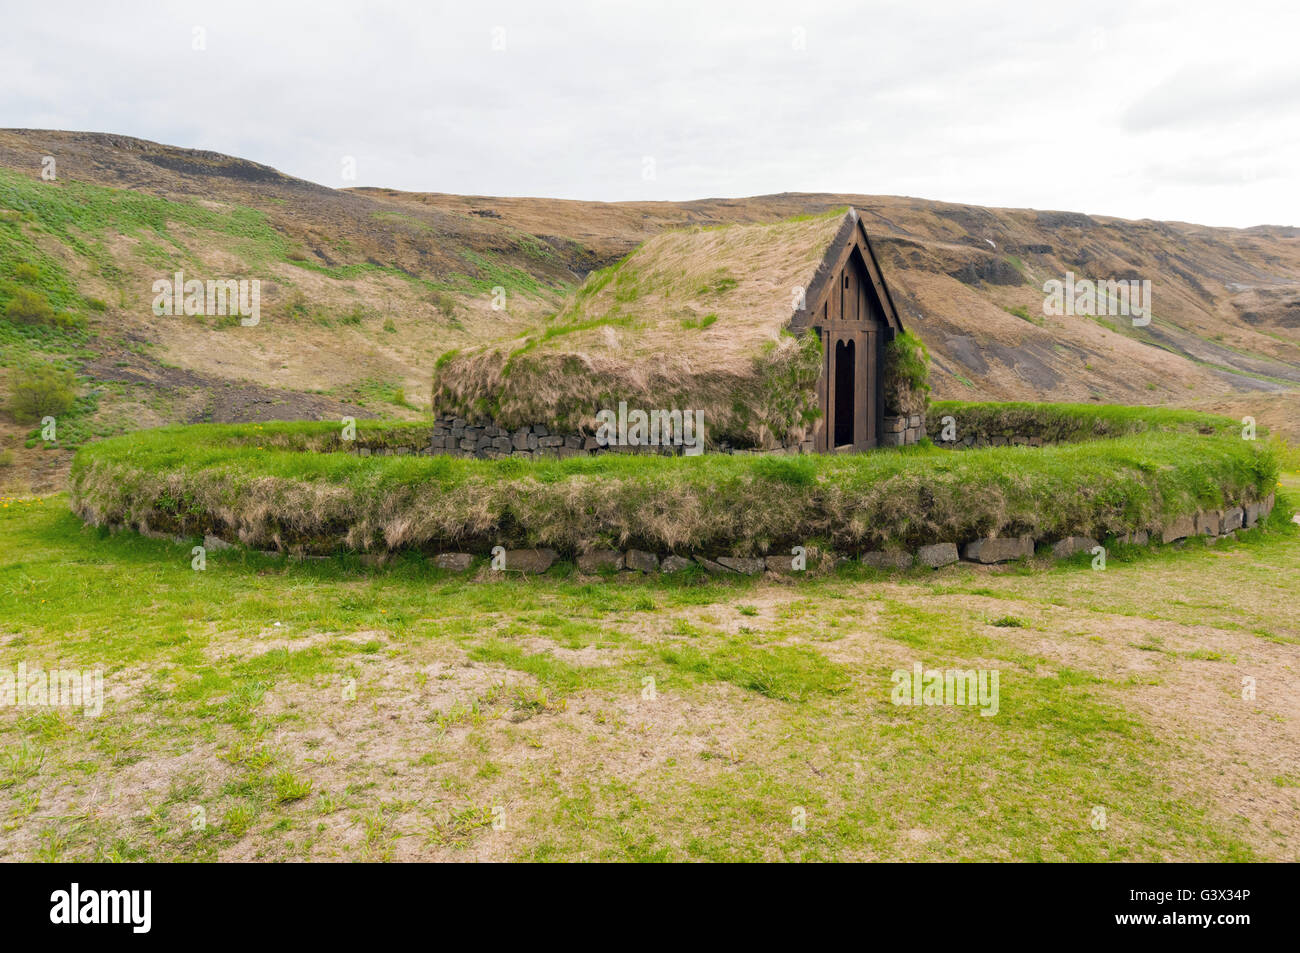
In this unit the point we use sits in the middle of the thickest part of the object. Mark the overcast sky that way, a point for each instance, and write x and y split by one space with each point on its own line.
1174 110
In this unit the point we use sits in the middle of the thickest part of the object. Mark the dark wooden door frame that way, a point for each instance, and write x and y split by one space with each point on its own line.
866 383
824 315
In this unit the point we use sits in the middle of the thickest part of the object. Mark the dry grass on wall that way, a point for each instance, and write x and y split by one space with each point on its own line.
193 481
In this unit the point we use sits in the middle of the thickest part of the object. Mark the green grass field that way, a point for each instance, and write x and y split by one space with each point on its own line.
267 709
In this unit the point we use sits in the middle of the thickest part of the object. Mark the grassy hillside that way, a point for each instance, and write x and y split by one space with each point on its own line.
358 299
364 289
969 280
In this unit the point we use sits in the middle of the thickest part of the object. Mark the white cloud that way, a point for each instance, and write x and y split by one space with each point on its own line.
1182 110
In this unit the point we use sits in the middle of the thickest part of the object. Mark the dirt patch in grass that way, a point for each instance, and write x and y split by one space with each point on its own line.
211 399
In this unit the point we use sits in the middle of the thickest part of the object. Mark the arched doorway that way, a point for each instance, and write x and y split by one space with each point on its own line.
845 362
849 308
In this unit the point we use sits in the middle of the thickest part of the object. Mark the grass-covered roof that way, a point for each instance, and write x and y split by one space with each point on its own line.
694 319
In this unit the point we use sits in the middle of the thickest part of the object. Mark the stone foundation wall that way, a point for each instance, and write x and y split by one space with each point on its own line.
457 437
1017 429
902 431
454 436
1215 525
997 440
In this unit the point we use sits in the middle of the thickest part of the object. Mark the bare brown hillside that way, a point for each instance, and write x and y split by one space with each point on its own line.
363 289
1226 301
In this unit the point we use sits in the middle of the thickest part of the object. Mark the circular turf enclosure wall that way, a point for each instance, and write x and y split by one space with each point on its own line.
1070 475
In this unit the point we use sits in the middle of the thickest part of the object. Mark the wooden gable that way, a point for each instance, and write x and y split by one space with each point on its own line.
849 308
820 302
